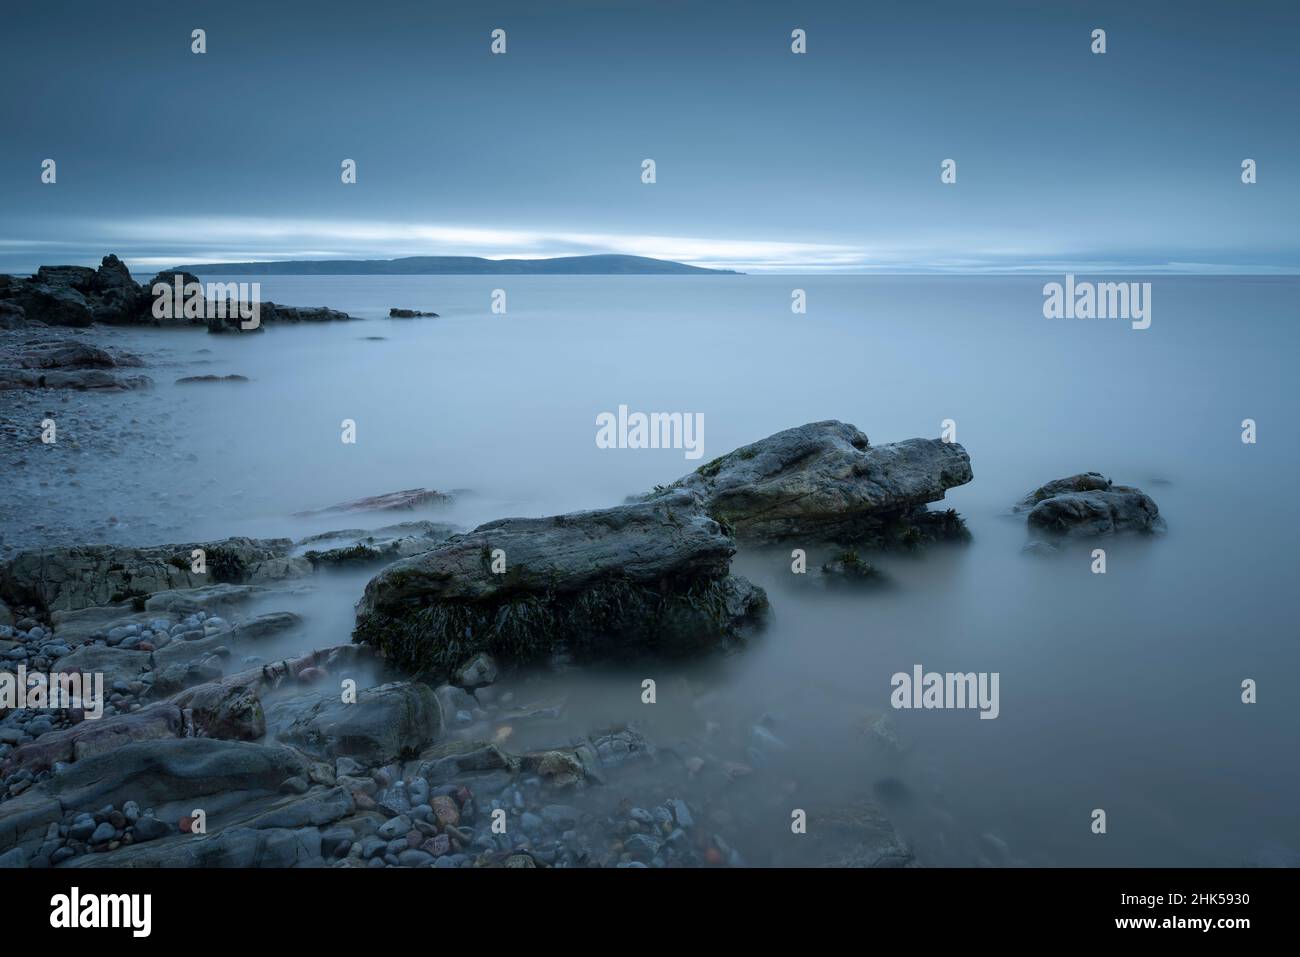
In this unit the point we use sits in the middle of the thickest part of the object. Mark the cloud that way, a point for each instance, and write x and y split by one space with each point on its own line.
154 242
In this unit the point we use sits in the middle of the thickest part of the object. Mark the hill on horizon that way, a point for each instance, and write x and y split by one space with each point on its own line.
600 265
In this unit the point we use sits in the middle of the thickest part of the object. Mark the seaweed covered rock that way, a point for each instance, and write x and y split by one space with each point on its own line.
651 576
1089 504
825 480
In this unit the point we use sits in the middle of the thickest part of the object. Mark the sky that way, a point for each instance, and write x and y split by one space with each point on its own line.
766 160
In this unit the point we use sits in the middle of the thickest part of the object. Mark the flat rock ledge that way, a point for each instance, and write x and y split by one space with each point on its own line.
648 577
1089 505
824 480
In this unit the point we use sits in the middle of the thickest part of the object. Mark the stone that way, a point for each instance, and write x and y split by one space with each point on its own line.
647 576
825 481
478 671
385 723
1090 505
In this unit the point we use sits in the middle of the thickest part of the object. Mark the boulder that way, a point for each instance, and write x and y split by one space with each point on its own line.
825 481
385 723
54 305
80 278
396 313
1088 505
648 576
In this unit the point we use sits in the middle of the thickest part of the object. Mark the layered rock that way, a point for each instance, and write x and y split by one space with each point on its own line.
1089 504
826 481
63 363
649 576
65 579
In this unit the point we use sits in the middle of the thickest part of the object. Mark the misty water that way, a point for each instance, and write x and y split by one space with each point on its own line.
1118 691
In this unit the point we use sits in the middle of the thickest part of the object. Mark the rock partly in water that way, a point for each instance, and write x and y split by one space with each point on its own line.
848 568
825 481
403 501
357 546
396 313
52 362
66 579
652 576
1088 505
196 379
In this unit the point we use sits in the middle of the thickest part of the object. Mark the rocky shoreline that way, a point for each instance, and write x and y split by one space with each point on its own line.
397 749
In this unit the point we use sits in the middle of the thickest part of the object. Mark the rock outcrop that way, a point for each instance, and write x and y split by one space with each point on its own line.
50 362
78 296
66 579
826 481
650 576
1089 504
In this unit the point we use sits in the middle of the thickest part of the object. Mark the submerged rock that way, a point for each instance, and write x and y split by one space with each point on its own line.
650 576
856 835
825 480
849 569
1089 504
195 379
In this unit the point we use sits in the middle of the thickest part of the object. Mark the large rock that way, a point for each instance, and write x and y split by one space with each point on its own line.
825 480
62 579
384 723
54 305
1089 504
648 576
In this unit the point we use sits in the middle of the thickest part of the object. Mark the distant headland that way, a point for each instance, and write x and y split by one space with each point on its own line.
604 265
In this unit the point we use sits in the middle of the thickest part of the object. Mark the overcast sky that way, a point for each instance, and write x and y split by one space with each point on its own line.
765 159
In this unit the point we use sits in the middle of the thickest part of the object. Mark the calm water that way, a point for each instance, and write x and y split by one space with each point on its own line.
1118 691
